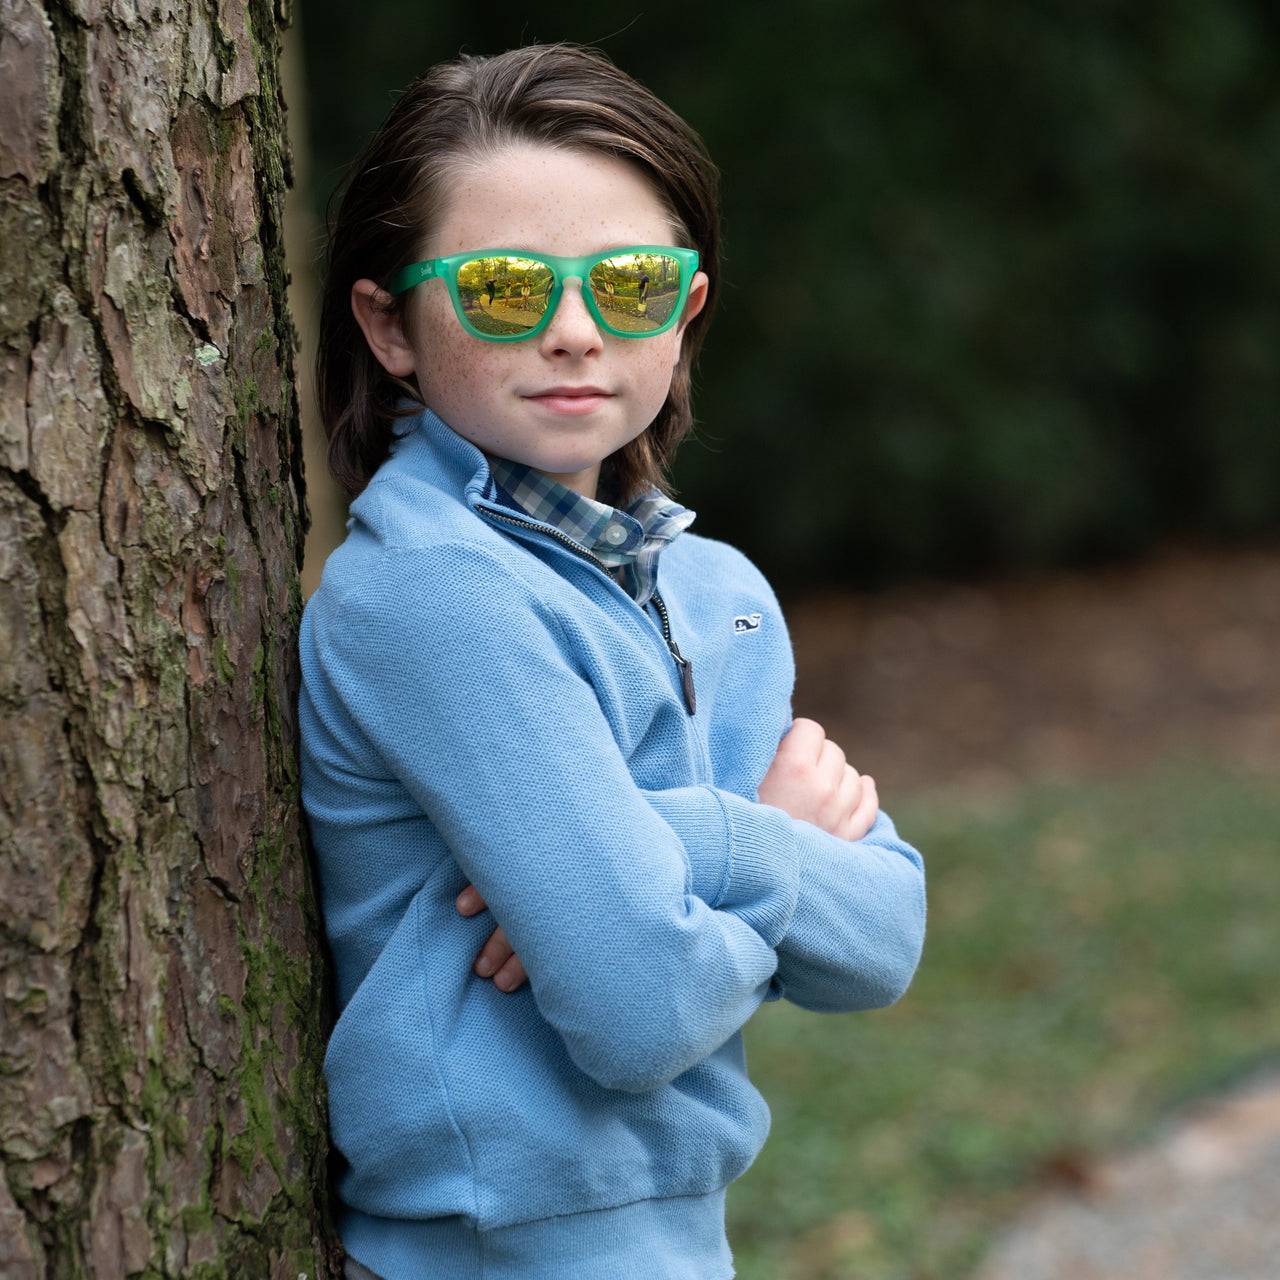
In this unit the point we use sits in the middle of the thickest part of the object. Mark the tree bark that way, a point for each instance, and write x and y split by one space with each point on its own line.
161 980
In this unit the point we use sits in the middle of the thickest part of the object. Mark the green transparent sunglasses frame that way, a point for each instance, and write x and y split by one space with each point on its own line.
562 269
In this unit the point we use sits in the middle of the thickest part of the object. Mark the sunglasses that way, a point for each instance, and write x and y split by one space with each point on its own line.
503 295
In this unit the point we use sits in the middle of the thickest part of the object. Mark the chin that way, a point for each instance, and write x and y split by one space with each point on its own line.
566 466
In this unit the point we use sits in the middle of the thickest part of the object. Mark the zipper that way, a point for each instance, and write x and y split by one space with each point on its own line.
683 665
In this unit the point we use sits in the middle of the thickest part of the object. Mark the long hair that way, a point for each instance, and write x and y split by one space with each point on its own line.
552 95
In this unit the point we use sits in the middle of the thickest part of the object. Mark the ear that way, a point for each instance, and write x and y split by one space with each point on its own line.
699 288
381 327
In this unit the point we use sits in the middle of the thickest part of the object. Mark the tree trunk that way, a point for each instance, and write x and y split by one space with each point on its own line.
160 970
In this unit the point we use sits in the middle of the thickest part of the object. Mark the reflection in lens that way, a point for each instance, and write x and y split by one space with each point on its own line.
504 296
636 292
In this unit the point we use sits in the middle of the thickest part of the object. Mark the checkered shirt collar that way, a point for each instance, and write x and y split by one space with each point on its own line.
629 539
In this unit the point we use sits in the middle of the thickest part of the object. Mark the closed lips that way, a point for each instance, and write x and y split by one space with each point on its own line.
569 392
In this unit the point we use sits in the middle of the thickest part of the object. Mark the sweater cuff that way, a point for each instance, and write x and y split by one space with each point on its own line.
702 827
743 856
763 876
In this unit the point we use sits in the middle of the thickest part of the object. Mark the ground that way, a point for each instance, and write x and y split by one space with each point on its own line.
1197 1203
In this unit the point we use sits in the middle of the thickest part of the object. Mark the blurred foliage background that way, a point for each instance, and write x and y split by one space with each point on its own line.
1002 280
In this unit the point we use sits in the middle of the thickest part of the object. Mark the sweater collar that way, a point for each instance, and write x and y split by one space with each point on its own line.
628 540
428 447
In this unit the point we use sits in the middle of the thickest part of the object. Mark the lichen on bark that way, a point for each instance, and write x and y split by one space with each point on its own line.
161 980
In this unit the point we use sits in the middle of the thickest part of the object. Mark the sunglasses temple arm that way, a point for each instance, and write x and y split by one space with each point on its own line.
407 277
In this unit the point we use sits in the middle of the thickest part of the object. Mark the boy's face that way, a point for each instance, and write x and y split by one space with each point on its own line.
566 399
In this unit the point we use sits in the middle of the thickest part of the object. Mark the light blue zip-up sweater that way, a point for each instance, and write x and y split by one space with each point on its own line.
482 702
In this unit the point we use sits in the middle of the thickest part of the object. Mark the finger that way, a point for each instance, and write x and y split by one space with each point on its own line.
864 816
842 789
469 902
803 740
832 764
851 789
493 955
511 976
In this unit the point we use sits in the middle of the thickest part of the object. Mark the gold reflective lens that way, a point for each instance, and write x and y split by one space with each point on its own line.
504 296
636 292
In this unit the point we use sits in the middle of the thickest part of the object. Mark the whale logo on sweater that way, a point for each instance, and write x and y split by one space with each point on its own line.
746 622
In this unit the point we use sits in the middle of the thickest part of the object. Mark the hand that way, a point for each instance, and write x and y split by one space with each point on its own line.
497 959
810 779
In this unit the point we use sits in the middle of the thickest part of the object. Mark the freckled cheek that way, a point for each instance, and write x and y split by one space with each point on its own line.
453 363
654 369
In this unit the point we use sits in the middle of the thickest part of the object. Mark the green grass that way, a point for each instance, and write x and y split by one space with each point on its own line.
1096 953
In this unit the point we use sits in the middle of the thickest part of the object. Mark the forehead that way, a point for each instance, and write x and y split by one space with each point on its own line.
549 199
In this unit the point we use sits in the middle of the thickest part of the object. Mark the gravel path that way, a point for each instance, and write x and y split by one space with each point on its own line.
1202 1202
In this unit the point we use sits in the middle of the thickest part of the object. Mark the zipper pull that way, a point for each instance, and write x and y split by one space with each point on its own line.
683 663
686 680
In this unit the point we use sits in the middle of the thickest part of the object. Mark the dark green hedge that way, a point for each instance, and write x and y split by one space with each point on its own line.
1002 280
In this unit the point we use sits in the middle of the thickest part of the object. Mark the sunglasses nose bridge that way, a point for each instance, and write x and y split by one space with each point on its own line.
560 290
574 324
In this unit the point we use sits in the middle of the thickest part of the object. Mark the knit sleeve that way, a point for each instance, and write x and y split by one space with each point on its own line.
855 936
466 690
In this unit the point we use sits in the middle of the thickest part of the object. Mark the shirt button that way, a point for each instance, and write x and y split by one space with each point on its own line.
615 535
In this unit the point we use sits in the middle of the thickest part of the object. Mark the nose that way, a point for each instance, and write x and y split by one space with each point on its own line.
571 331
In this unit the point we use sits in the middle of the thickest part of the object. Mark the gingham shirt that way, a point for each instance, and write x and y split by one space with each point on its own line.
628 540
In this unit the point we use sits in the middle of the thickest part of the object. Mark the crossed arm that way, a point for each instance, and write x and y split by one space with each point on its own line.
809 779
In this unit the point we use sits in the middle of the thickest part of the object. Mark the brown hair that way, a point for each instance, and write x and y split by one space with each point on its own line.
556 95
